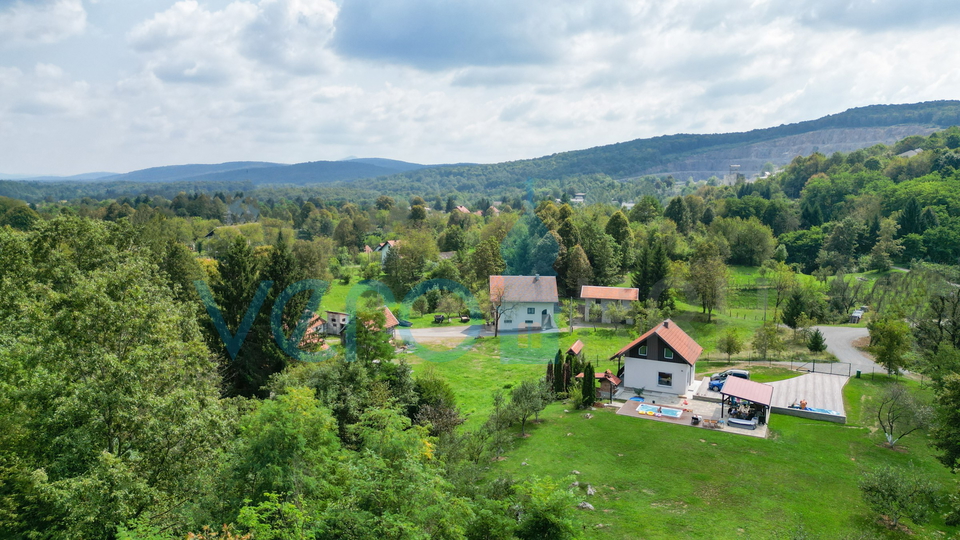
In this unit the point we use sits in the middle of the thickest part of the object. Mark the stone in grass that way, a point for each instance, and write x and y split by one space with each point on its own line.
574 472
590 490
585 506
588 416
524 463
575 484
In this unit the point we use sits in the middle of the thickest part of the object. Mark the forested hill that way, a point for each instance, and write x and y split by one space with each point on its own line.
712 154
682 156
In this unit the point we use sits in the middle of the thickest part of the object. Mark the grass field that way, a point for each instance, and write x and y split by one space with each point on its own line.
657 480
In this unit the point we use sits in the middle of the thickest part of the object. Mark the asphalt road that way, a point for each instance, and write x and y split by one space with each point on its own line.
840 344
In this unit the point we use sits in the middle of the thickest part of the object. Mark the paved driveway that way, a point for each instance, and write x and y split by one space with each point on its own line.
840 344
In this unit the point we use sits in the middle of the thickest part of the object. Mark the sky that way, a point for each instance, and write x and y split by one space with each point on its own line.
120 85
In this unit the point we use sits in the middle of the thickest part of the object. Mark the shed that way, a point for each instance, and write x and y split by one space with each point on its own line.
758 394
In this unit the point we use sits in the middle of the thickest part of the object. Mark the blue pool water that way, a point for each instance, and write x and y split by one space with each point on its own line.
672 413
822 411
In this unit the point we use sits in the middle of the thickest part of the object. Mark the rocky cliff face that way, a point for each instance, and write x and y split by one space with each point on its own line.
782 150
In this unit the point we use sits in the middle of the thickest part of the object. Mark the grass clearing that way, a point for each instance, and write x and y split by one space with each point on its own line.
657 480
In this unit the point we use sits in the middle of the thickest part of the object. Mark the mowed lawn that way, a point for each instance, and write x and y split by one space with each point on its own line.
658 480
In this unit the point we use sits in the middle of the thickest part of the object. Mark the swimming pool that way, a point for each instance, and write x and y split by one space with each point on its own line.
822 411
644 408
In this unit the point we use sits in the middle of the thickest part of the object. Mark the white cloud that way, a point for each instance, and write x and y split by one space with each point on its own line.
46 21
437 81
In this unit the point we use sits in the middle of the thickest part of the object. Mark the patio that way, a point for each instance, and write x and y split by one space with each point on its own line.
707 410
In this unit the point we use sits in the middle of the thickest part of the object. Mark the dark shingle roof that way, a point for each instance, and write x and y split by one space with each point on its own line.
524 288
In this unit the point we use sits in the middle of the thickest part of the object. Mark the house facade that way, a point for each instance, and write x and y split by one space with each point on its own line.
524 302
384 249
605 297
663 360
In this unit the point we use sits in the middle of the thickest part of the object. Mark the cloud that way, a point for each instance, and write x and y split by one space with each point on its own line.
45 21
440 34
188 43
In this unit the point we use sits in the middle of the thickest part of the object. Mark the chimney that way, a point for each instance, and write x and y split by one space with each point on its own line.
536 278
666 324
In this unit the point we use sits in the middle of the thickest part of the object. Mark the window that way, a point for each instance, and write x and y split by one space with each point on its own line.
597 301
643 350
528 322
531 311
508 321
664 379
667 353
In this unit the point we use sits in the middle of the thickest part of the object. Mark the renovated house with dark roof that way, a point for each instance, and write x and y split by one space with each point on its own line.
605 297
663 360
524 302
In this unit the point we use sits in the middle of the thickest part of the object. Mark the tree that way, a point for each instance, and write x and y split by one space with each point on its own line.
618 227
498 423
617 313
418 213
106 384
526 400
647 209
570 308
817 343
578 270
886 248
782 280
588 386
678 212
895 493
899 413
386 203
370 341
889 342
486 261
596 313
707 280
946 433
451 303
20 217
767 340
730 343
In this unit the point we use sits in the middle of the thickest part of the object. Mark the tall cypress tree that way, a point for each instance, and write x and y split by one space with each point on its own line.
589 386
639 277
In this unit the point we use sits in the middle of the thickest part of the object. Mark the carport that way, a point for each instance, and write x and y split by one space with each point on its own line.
758 394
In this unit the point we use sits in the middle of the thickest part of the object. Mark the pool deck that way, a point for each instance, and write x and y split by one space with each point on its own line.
708 410
820 390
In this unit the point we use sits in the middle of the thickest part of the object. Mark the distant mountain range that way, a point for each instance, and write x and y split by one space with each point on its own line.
257 172
683 156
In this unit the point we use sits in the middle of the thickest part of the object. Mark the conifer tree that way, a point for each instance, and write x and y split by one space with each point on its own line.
589 386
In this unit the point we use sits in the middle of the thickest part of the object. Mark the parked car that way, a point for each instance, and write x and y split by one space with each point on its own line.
716 381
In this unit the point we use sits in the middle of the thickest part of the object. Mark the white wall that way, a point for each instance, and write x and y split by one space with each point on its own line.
643 373
517 315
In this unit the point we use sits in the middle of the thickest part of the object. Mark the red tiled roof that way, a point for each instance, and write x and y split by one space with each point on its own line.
390 243
608 375
751 391
609 293
576 347
523 288
367 249
391 320
674 337
463 209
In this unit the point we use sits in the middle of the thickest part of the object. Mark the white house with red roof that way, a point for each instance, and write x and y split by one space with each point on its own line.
605 297
663 360
524 302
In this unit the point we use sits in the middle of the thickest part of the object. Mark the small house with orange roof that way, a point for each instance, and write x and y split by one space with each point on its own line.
663 360
608 383
605 297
